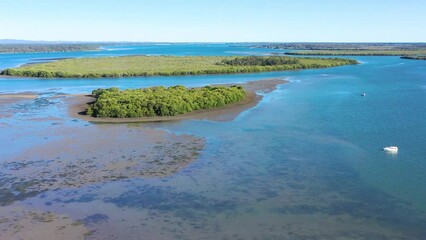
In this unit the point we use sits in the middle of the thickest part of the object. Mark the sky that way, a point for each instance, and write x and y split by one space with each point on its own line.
214 21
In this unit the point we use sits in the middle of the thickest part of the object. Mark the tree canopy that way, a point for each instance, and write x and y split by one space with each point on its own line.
160 101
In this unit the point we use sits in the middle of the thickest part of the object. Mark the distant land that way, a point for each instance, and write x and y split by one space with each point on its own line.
11 46
33 48
20 41
413 50
341 46
377 52
349 49
415 58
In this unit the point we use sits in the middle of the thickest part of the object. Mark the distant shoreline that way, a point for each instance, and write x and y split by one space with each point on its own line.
414 57
359 53
78 104
347 48
23 48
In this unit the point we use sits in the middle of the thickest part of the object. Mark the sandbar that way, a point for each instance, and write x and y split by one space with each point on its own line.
7 98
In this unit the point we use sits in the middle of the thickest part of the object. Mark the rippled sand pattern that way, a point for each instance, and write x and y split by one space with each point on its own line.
95 155
21 223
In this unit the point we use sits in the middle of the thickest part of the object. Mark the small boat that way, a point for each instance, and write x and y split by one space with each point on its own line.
363 94
390 149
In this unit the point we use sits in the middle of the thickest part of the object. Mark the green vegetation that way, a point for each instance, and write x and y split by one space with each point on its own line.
260 61
168 65
349 49
414 57
160 101
31 48
359 52
343 46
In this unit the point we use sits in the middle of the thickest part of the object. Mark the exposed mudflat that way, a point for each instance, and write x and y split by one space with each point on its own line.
15 97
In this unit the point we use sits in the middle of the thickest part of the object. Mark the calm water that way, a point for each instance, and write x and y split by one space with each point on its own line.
306 163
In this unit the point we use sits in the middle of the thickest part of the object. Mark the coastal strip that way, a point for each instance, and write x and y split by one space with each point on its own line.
47 47
357 52
414 57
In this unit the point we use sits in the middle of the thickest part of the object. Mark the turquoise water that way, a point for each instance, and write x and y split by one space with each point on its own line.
305 163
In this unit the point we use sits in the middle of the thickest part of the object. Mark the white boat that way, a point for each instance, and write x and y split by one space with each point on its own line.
363 94
391 149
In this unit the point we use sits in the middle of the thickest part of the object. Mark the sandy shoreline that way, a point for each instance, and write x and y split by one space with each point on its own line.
21 95
78 104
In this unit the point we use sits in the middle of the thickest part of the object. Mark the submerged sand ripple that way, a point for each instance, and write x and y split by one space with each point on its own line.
94 155
21 223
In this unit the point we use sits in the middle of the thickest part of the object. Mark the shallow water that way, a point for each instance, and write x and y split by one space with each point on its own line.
303 164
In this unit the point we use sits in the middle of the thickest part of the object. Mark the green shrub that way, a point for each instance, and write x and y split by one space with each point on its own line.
160 101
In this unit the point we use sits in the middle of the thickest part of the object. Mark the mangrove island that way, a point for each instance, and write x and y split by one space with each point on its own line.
160 101
129 66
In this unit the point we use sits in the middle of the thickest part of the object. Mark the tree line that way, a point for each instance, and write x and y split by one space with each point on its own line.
260 61
31 48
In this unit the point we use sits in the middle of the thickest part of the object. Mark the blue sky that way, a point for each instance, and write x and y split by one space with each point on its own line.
215 21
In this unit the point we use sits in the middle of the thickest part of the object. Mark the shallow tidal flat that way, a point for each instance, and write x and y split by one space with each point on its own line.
106 152
78 157
88 157
17 222
283 170
9 99
15 97
83 157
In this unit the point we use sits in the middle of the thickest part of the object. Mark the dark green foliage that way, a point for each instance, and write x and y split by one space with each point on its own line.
60 47
349 49
358 52
414 57
260 61
160 101
344 46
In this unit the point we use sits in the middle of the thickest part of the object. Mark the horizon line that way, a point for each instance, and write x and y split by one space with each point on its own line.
218 42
